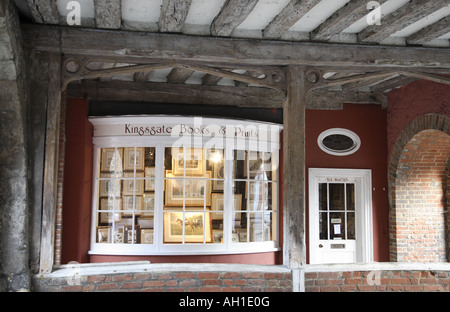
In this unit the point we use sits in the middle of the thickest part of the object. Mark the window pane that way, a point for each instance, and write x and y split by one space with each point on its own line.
217 227
126 195
256 227
337 196
323 225
239 195
239 228
350 196
351 225
323 199
337 225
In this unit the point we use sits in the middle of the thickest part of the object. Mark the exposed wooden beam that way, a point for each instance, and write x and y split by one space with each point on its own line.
141 76
408 14
290 15
362 85
176 93
173 15
44 11
349 14
232 14
179 75
430 32
329 99
122 46
210 80
393 83
108 14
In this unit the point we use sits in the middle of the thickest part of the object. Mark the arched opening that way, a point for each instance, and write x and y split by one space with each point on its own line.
419 221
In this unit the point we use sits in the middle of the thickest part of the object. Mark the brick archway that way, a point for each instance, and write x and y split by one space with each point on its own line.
418 191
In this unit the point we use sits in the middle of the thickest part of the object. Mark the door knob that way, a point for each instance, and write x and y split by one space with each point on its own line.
320 245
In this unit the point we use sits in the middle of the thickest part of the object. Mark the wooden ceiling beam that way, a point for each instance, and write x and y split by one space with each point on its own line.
108 14
179 75
408 14
349 14
430 32
173 15
290 15
44 11
140 47
232 14
175 93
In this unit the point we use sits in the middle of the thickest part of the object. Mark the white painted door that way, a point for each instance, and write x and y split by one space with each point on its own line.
340 216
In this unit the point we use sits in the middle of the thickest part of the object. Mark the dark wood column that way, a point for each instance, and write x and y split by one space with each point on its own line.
294 168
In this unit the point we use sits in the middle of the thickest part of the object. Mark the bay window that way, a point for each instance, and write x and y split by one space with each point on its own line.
172 185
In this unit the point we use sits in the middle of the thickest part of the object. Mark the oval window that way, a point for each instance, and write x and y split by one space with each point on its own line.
339 142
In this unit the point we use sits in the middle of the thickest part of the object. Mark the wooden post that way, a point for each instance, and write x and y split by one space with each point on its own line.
294 169
51 164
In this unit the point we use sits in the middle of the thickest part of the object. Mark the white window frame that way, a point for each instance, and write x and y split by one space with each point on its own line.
160 143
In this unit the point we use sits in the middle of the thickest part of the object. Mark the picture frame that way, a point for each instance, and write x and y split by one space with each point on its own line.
111 187
103 234
191 192
111 160
118 235
218 202
133 185
197 227
148 205
130 235
127 205
147 236
217 236
193 165
130 153
218 173
149 179
112 206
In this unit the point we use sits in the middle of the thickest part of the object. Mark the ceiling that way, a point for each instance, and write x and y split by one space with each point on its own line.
403 23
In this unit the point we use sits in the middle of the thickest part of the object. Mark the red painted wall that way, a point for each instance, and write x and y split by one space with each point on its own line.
411 101
77 183
77 202
369 123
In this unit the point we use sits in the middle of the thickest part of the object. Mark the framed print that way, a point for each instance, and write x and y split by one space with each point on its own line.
103 234
218 173
131 155
149 179
133 186
112 206
234 237
217 236
192 192
146 236
148 207
130 235
110 187
217 201
196 227
193 161
111 160
118 235
128 202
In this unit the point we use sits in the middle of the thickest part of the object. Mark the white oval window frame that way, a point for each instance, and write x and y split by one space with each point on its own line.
352 135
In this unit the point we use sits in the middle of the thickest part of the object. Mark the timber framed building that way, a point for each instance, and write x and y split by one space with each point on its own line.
225 145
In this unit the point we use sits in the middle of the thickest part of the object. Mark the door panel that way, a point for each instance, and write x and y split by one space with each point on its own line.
338 211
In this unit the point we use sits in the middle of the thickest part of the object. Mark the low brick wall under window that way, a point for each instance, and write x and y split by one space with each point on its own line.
382 277
143 276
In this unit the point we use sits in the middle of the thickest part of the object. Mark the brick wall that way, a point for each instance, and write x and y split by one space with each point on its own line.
381 281
164 280
418 183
